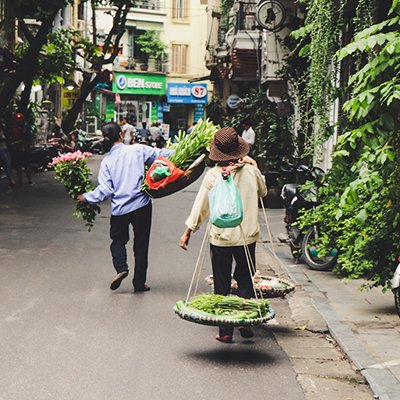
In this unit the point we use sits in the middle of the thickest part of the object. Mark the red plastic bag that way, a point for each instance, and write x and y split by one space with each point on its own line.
175 173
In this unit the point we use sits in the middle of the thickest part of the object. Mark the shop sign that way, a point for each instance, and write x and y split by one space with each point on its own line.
69 97
198 112
233 101
110 111
130 83
187 93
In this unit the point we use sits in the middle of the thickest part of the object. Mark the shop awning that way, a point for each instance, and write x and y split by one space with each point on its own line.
202 78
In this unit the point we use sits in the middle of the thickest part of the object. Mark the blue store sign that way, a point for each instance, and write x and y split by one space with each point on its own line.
187 93
198 112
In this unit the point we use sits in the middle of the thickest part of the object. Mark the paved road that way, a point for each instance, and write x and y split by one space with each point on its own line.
65 335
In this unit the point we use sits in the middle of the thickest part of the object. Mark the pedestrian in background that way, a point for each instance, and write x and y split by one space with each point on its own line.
5 160
128 131
229 151
20 146
120 178
248 133
190 129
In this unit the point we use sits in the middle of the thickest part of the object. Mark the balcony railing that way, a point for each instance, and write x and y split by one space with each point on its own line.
156 5
135 64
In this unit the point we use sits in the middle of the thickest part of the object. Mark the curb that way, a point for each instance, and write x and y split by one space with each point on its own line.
382 382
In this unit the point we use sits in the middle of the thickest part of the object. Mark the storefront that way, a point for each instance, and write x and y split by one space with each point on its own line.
138 97
186 102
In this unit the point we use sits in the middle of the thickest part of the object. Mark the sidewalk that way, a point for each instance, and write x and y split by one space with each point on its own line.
364 323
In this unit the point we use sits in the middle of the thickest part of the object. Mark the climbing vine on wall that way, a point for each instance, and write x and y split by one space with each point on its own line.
319 39
360 210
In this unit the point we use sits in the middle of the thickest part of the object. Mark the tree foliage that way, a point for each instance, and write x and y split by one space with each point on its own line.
274 140
361 204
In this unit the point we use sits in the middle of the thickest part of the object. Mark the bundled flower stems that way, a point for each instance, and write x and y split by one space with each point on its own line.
72 171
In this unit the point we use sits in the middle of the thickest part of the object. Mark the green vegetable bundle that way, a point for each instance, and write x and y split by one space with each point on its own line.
188 147
230 306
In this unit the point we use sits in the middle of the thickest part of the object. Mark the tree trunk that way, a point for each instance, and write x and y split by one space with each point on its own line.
26 67
25 95
94 22
111 43
88 85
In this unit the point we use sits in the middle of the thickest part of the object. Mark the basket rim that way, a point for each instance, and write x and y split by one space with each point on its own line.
214 320
290 286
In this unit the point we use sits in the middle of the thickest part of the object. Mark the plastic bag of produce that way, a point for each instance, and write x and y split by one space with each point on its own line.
161 173
226 209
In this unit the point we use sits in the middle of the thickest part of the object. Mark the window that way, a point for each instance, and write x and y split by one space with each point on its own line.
134 49
180 10
179 58
81 10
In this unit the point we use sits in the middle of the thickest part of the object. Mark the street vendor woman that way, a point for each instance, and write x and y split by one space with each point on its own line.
229 151
120 178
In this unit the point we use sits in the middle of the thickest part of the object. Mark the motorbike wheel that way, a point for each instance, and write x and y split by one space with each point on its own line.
396 293
296 252
310 252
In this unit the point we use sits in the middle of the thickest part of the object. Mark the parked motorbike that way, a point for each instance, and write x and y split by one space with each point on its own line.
295 199
396 287
158 142
41 156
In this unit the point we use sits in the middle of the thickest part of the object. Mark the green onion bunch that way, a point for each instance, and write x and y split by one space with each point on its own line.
230 306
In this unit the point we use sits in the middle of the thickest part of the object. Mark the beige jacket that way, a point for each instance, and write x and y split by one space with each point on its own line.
251 185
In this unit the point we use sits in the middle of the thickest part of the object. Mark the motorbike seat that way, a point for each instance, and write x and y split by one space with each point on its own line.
289 191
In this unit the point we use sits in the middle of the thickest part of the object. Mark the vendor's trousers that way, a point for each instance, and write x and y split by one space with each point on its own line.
221 261
119 232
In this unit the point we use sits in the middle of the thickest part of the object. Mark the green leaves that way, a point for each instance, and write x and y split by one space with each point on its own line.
150 44
75 176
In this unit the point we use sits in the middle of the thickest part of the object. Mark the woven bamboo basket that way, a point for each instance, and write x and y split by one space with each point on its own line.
203 318
266 286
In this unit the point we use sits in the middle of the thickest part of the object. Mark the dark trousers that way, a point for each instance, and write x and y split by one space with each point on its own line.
119 232
221 261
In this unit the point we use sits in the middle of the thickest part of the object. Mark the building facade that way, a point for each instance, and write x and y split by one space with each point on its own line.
158 90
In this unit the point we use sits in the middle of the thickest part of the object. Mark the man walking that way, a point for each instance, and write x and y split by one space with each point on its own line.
248 134
120 178
128 131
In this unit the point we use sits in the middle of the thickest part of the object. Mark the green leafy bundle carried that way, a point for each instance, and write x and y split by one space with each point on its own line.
188 147
188 158
230 306
72 171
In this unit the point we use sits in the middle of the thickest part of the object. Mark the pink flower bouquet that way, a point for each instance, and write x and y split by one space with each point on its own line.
72 171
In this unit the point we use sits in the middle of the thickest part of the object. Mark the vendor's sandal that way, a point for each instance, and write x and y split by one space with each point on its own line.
116 282
246 332
224 339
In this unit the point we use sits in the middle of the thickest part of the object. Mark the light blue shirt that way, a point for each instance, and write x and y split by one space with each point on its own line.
121 175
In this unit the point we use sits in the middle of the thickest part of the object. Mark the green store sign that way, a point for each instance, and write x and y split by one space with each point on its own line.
155 85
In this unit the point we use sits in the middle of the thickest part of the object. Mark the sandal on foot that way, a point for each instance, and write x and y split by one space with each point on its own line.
116 282
224 339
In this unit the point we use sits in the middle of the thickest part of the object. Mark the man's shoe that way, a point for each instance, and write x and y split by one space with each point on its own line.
224 339
246 332
143 288
116 282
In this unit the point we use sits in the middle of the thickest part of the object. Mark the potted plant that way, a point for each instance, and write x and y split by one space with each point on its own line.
151 47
